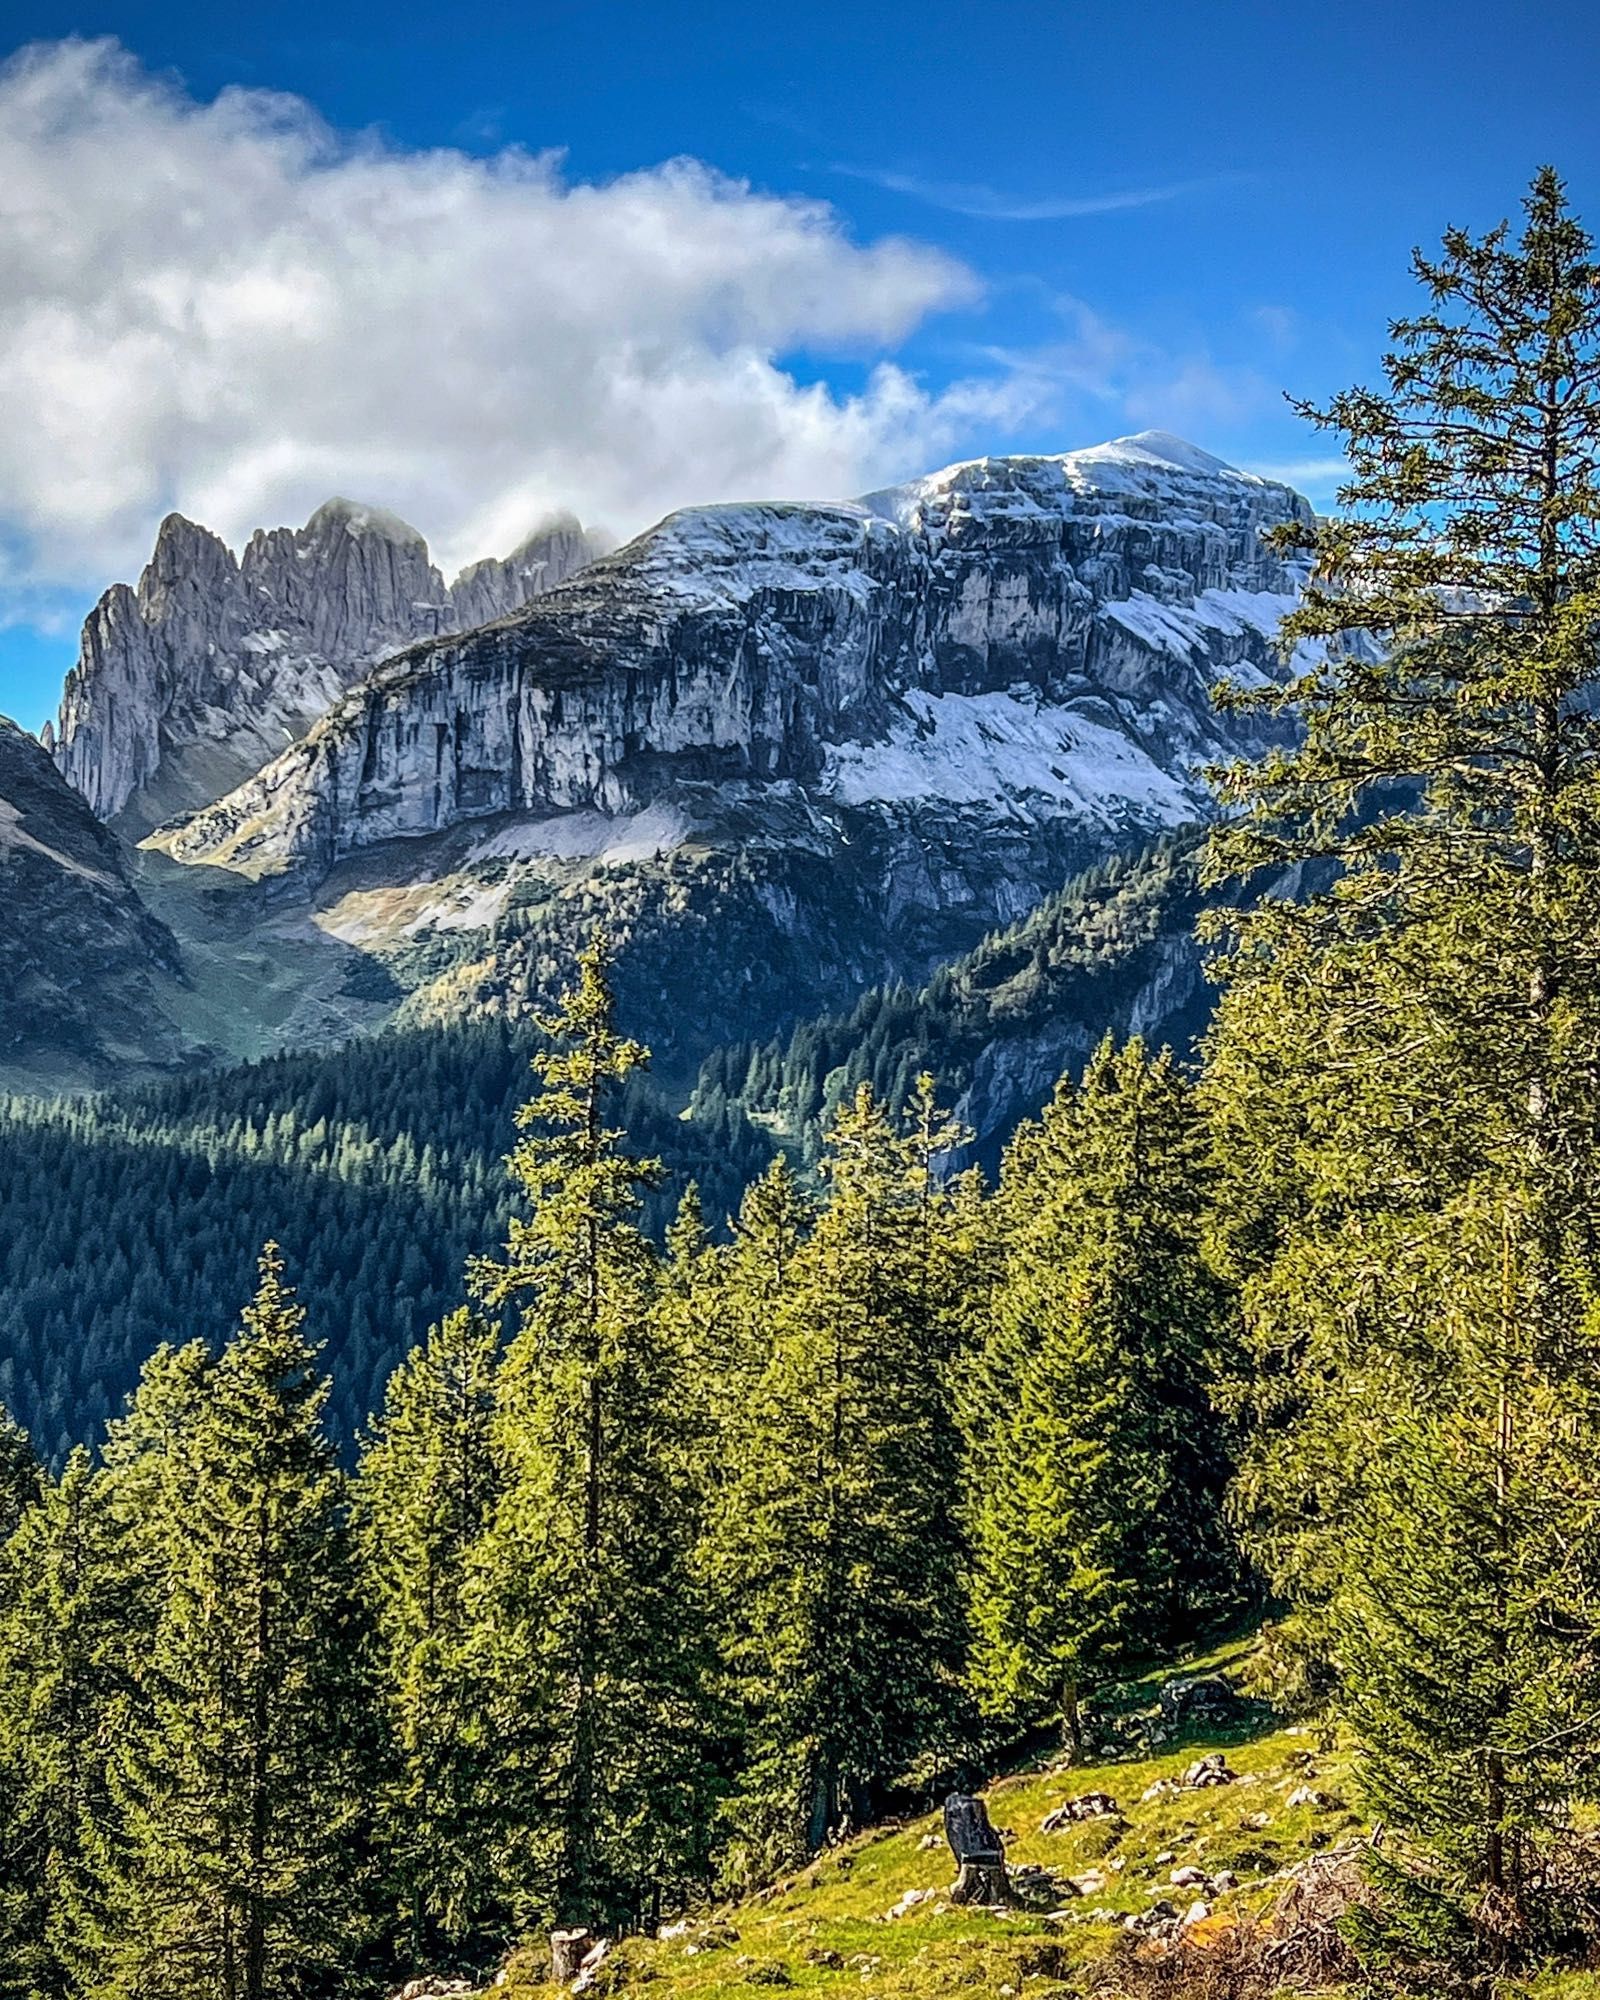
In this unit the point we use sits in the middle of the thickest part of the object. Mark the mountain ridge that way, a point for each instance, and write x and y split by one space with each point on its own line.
191 679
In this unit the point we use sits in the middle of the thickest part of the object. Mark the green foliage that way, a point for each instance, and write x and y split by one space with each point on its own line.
135 1219
1403 1077
230 1863
1095 1469
425 1488
1058 980
589 1638
66 1620
832 1551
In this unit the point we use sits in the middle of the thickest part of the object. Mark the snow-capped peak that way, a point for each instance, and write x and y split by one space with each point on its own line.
1160 447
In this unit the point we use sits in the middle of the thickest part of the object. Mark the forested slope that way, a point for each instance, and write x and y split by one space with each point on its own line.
136 1217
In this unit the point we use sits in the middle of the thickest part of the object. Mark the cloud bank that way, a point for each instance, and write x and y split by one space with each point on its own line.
228 308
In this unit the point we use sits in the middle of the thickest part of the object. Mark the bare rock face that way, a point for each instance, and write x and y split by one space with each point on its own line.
214 663
1022 638
88 970
496 587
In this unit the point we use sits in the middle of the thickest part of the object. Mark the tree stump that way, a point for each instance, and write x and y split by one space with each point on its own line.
568 1949
982 1882
979 1857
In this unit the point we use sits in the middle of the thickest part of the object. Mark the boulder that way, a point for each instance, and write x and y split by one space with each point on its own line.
1191 1701
1091 1805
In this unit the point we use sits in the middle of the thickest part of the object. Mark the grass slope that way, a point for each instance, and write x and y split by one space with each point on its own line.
828 1930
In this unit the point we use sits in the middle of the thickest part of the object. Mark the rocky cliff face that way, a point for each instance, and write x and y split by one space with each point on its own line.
88 972
214 663
784 752
1013 630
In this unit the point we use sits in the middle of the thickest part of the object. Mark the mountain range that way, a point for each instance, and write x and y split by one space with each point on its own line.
787 752
856 789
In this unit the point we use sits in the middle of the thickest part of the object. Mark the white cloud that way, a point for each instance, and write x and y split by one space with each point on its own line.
227 308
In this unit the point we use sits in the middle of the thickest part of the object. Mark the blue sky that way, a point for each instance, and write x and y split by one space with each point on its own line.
1105 217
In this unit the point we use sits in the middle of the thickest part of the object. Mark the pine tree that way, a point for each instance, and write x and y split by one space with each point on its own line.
235 1871
1405 1072
834 1553
591 1639
423 1494
1096 1468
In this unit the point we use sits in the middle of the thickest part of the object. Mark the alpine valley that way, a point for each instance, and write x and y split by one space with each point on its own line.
854 788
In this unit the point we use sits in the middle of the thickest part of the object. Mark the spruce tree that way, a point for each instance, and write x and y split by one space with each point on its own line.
591 1640
834 1549
235 1870
1405 1071
65 1614
1096 1467
423 1493
19 1473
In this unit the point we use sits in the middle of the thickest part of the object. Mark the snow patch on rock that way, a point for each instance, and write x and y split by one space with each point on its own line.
1003 750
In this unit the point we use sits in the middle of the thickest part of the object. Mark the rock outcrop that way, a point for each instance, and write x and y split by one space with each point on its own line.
785 752
1025 635
88 971
214 663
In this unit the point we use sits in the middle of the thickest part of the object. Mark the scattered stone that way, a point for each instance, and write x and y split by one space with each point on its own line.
669 1932
433 1989
829 1961
1203 1698
770 1974
1165 1858
1163 1788
1223 1881
1205 1772
1187 1878
908 1902
1308 1795
1091 1805
928 1842
1196 1913
1089 1884
1254 1822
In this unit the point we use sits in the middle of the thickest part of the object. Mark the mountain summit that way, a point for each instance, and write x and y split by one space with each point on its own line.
215 663
785 750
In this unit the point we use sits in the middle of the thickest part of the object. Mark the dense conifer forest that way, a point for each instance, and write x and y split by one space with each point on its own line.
665 1560
136 1218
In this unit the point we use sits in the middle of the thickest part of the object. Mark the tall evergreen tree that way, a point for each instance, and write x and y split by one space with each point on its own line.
19 1472
1405 1072
235 1871
591 1638
834 1550
65 1616
423 1494
1096 1466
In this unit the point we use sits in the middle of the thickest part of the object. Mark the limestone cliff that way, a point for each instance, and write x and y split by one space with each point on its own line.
1026 635
214 663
